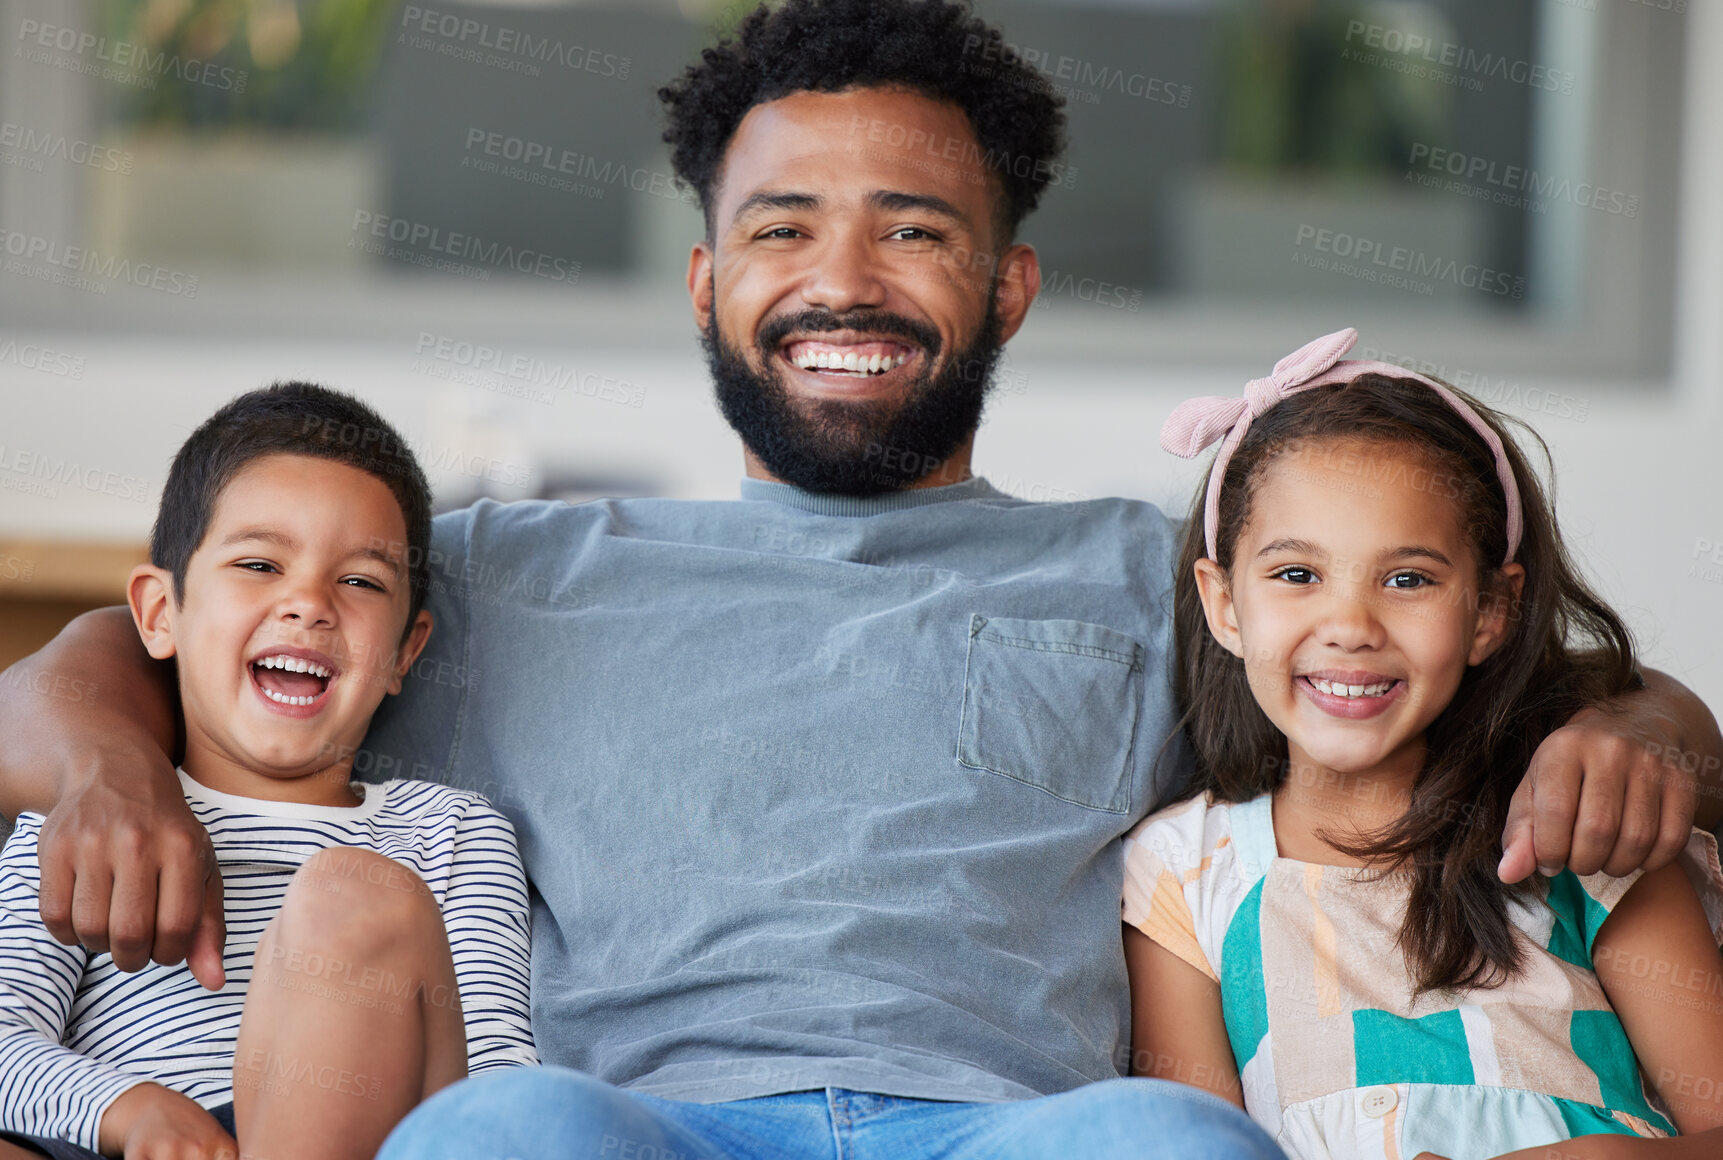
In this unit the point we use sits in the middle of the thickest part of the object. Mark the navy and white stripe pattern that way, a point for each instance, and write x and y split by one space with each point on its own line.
76 1032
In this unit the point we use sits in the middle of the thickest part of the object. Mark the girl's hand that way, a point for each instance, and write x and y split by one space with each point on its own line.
151 1122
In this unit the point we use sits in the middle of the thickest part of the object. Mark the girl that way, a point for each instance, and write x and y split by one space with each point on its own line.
1376 623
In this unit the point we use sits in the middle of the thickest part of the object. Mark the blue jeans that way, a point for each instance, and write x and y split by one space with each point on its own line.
552 1113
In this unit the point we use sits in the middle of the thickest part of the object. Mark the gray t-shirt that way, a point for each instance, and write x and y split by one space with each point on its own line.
813 791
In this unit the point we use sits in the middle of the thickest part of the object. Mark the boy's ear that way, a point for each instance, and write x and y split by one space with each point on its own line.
149 592
1218 608
1497 610
411 647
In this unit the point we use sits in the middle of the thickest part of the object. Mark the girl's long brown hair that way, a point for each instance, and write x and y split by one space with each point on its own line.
1565 650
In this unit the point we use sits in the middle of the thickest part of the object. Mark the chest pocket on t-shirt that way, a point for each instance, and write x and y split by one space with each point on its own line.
1053 704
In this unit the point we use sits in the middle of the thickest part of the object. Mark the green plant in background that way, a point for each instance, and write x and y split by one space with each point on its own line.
1292 101
295 64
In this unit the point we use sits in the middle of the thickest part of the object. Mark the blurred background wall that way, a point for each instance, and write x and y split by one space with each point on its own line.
198 197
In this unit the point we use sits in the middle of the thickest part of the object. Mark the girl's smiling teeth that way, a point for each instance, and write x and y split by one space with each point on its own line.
855 359
1344 689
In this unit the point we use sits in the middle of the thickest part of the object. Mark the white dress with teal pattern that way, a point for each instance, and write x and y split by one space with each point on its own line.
1336 1058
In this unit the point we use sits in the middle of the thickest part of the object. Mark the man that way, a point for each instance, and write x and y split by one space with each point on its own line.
819 790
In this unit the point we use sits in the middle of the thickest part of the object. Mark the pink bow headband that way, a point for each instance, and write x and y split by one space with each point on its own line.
1196 423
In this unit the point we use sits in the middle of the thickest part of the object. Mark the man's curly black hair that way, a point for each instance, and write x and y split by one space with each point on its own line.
934 47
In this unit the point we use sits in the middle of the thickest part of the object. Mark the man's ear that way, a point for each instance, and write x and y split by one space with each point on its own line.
1019 283
411 647
700 284
1218 608
149 592
1498 609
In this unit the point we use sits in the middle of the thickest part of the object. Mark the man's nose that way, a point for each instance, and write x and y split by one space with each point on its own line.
846 275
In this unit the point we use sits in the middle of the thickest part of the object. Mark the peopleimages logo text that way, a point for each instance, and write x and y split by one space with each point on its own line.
123 54
512 42
466 247
1446 54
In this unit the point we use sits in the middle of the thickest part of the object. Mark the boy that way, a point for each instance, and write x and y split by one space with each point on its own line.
387 925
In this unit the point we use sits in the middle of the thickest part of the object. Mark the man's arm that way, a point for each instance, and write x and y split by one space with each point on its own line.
1619 786
91 722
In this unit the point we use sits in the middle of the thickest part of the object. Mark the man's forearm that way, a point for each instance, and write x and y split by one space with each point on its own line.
93 685
1698 745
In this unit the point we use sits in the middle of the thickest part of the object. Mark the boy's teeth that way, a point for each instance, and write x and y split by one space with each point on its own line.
293 665
1334 689
274 696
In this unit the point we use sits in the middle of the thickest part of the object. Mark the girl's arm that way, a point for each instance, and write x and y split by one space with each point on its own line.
1658 962
1177 1032
1657 959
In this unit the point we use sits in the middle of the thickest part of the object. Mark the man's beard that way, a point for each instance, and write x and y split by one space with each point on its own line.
862 447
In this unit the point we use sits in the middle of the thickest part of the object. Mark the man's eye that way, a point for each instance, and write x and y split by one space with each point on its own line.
914 234
1408 580
1295 575
779 232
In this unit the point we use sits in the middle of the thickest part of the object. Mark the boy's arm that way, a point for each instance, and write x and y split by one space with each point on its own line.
1619 786
91 722
1177 1031
68 1093
489 921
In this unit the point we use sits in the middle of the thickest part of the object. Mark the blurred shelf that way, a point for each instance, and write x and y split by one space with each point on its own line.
38 570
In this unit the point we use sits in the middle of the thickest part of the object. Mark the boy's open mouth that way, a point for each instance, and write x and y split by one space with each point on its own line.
288 678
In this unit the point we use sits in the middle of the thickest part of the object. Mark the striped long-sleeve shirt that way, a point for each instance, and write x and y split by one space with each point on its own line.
76 1032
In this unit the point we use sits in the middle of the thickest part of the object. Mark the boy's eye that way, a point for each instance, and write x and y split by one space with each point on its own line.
256 565
1294 575
1408 580
363 582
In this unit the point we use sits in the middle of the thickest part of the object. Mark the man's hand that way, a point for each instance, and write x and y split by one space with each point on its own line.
128 869
1616 788
151 1122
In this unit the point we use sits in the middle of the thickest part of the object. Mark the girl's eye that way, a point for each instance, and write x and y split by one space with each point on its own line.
1295 575
1408 580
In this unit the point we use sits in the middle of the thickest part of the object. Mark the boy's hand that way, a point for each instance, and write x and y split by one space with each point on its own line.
151 1122
128 869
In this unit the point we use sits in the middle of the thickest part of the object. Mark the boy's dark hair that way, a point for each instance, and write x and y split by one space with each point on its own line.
933 47
1565 649
290 418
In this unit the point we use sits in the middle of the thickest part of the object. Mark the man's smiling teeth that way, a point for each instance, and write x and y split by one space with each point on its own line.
1338 690
853 363
293 665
